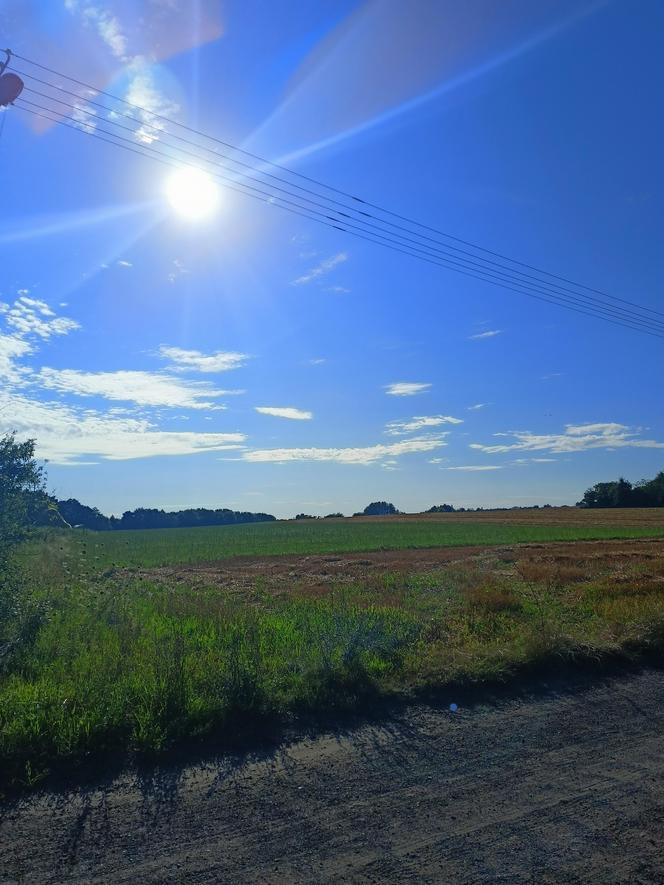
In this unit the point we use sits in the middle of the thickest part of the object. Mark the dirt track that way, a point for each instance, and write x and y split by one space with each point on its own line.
561 786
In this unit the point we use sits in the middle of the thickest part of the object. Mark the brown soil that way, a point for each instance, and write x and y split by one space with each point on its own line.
278 574
563 786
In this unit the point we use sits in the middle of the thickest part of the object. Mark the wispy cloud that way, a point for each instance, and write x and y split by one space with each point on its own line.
337 290
179 270
365 455
142 388
321 269
575 438
478 406
103 22
142 92
285 412
490 333
473 468
27 320
12 349
195 361
413 425
406 388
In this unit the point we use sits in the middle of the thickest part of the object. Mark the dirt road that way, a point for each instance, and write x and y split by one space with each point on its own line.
562 785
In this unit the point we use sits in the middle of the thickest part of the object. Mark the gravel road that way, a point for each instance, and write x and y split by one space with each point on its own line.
564 784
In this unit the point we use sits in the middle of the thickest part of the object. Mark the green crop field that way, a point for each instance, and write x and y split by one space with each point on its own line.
155 547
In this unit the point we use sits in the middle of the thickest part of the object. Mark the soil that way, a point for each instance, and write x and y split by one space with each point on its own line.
283 574
563 783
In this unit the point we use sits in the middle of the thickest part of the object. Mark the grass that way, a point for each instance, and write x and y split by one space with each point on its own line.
119 663
149 548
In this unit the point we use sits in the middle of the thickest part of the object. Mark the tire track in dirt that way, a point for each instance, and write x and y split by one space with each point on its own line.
562 785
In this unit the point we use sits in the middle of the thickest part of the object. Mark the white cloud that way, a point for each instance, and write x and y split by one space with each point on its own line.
194 360
11 349
142 388
123 263
321 269
576 438
107 26
490 333
473 468
285 412
411 425
478 406
406 388
143 93
318 361
365 455
30 316
68 435
150 103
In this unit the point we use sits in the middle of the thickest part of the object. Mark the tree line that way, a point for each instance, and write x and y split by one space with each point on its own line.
621 493
76 515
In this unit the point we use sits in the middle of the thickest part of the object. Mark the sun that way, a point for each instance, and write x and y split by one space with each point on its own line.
192 193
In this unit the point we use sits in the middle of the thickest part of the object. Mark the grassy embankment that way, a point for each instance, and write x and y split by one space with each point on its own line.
121 662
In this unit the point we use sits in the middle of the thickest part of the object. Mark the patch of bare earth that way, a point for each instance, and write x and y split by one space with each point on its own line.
569 560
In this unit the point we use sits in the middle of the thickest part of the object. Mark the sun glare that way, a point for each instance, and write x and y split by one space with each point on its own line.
192 193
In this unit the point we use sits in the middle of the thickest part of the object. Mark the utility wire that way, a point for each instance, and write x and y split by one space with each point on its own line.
634 321
150 153
319 184
441 249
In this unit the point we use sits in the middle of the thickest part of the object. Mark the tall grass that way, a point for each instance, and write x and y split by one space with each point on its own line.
139 668
121 664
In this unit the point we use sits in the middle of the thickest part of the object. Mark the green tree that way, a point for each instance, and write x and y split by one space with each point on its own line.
380 508
21 483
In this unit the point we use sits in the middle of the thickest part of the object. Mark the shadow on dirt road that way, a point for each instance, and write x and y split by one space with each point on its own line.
562 785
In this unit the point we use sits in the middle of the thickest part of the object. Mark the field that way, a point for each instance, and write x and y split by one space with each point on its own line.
134 642
155 547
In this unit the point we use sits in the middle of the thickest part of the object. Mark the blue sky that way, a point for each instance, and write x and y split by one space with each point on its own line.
258 360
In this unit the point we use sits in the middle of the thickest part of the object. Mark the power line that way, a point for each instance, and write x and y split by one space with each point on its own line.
352 197
378 236
170 163
441 250
148 152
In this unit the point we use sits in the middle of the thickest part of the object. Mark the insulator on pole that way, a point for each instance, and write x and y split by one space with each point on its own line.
11 84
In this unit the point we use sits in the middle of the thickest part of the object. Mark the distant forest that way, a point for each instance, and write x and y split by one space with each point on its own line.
73 513
45 510
621 493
